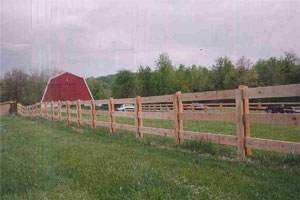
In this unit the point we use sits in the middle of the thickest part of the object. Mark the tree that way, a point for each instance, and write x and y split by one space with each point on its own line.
145 81
224 75
14 85
268 72
97 89
245 73
124 85
164 76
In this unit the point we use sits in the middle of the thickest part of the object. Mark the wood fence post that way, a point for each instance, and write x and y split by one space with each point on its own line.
93 114
138 121
205 107
68 112
41 109
247 125
112 118
32 109
78 112
259 105
178 124
52 111
46 110
221 107
59 109
241 127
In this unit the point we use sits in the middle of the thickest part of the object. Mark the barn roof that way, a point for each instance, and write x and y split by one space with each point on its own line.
67 86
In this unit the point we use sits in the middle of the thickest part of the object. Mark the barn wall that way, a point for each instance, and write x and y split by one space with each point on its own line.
67 87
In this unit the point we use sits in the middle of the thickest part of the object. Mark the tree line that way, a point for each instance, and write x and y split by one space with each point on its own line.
164 78
224 74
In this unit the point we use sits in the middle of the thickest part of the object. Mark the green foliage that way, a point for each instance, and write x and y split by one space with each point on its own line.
25 88
165 78
125 85
145 81
97 88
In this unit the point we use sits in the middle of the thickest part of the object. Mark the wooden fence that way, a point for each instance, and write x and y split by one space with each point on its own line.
242 117
8 107
260 106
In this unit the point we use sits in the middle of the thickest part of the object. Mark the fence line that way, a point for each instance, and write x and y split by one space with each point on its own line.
173 105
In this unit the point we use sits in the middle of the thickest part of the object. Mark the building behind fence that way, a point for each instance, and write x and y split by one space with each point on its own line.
175 111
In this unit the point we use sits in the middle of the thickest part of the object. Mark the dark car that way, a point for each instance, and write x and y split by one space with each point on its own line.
280 109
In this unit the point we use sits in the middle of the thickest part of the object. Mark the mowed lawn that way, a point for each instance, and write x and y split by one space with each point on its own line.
41 159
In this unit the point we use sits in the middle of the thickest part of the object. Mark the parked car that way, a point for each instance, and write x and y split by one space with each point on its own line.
126 107
280 109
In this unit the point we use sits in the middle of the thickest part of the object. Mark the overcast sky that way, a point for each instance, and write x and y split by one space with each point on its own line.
100 37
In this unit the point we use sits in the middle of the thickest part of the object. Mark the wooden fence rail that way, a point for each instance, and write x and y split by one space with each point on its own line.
173 107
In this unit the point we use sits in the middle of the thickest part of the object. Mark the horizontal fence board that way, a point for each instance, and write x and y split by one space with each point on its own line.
208 116
273 145
103 101
124 126
157 99
85 102
100 123
72 103
73 111
157 115
102 112
123 114
86 112
272 91
86 121
210 95
63 110
122 101
283 119
73 120
157 131
209 137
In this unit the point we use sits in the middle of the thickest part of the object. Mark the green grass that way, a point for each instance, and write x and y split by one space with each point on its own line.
41 159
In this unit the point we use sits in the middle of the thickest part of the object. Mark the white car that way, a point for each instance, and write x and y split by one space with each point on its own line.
126 107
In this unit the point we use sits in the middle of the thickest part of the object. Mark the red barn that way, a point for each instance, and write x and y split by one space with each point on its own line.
67 86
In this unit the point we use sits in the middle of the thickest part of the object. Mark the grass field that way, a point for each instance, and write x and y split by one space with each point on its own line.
41 159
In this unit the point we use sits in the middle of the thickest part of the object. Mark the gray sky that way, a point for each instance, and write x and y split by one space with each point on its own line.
97 37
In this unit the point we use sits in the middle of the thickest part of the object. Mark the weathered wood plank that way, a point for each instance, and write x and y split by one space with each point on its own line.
122 101
93 114
124 127
111 117
138 121
102 112
210 95
157 99
158 131
283 119
156 115
178 122
240 123
273 91
100 123
273 145
102 101
86 112
123 114
208 116
209 137
85 121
